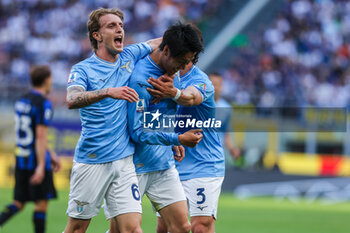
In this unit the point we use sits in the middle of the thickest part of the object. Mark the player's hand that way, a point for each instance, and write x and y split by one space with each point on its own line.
179 153
55 162
163 87
123 93
38 176
191 138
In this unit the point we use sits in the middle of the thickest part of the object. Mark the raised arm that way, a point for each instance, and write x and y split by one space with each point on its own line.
77 97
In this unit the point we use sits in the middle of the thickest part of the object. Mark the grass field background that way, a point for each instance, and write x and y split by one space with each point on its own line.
257 215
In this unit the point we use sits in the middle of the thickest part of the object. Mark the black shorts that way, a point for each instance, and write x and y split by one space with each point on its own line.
25 191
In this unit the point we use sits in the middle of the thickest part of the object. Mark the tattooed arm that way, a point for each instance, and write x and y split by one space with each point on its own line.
78 98
154 43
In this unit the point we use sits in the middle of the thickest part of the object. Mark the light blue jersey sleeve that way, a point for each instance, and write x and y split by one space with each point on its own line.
77 77
138 51
135 122
205 88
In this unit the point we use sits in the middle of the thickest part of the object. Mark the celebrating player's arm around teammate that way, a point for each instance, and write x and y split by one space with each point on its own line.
154 161
103 167
202 170
34 161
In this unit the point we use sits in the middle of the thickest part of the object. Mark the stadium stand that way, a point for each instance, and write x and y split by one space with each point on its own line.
300 59
54 32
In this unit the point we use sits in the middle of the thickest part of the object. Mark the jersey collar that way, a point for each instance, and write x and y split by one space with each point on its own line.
188 73
106 62
36 92
154 64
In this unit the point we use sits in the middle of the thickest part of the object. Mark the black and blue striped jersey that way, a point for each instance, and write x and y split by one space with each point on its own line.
31 110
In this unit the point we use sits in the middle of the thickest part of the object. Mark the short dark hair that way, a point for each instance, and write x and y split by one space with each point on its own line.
38 75
94 22
181 39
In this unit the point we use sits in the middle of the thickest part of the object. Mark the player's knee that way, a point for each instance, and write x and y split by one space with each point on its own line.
136 230
186 227
201 227
41 206
19 205
161 229
76 225
131 229
79 228
180 228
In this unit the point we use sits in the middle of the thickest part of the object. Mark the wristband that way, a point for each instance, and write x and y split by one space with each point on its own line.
178 94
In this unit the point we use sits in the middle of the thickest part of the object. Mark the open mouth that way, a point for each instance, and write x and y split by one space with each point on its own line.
118 40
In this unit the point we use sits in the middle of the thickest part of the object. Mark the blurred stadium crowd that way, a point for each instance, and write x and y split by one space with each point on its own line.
54 32
301 59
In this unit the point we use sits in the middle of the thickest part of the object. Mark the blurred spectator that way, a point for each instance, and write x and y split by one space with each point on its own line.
302 59
54 32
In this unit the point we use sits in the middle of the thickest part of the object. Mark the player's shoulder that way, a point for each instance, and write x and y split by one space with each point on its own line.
24 99
198 72
134 47
84 64
41 100
200 76
141 71
128 51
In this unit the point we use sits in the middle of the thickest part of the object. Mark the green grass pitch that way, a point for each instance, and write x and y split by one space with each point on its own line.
257 215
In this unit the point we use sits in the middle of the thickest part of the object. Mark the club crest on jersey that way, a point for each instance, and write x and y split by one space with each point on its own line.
140 105
127 67
80 205
203 85
72 77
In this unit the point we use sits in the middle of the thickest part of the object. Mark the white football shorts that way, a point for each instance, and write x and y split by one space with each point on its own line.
115 182
162 188
203 195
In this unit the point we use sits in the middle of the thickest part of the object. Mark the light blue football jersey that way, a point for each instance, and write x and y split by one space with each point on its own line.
152 148
207 158
104 136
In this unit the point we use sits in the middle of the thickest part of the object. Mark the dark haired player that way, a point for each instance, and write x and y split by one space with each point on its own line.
202 170
34 161
155 165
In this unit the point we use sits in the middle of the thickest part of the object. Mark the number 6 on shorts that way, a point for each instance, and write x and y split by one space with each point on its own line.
135 192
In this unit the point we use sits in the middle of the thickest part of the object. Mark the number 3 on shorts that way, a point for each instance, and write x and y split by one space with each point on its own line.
135 192
200 193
